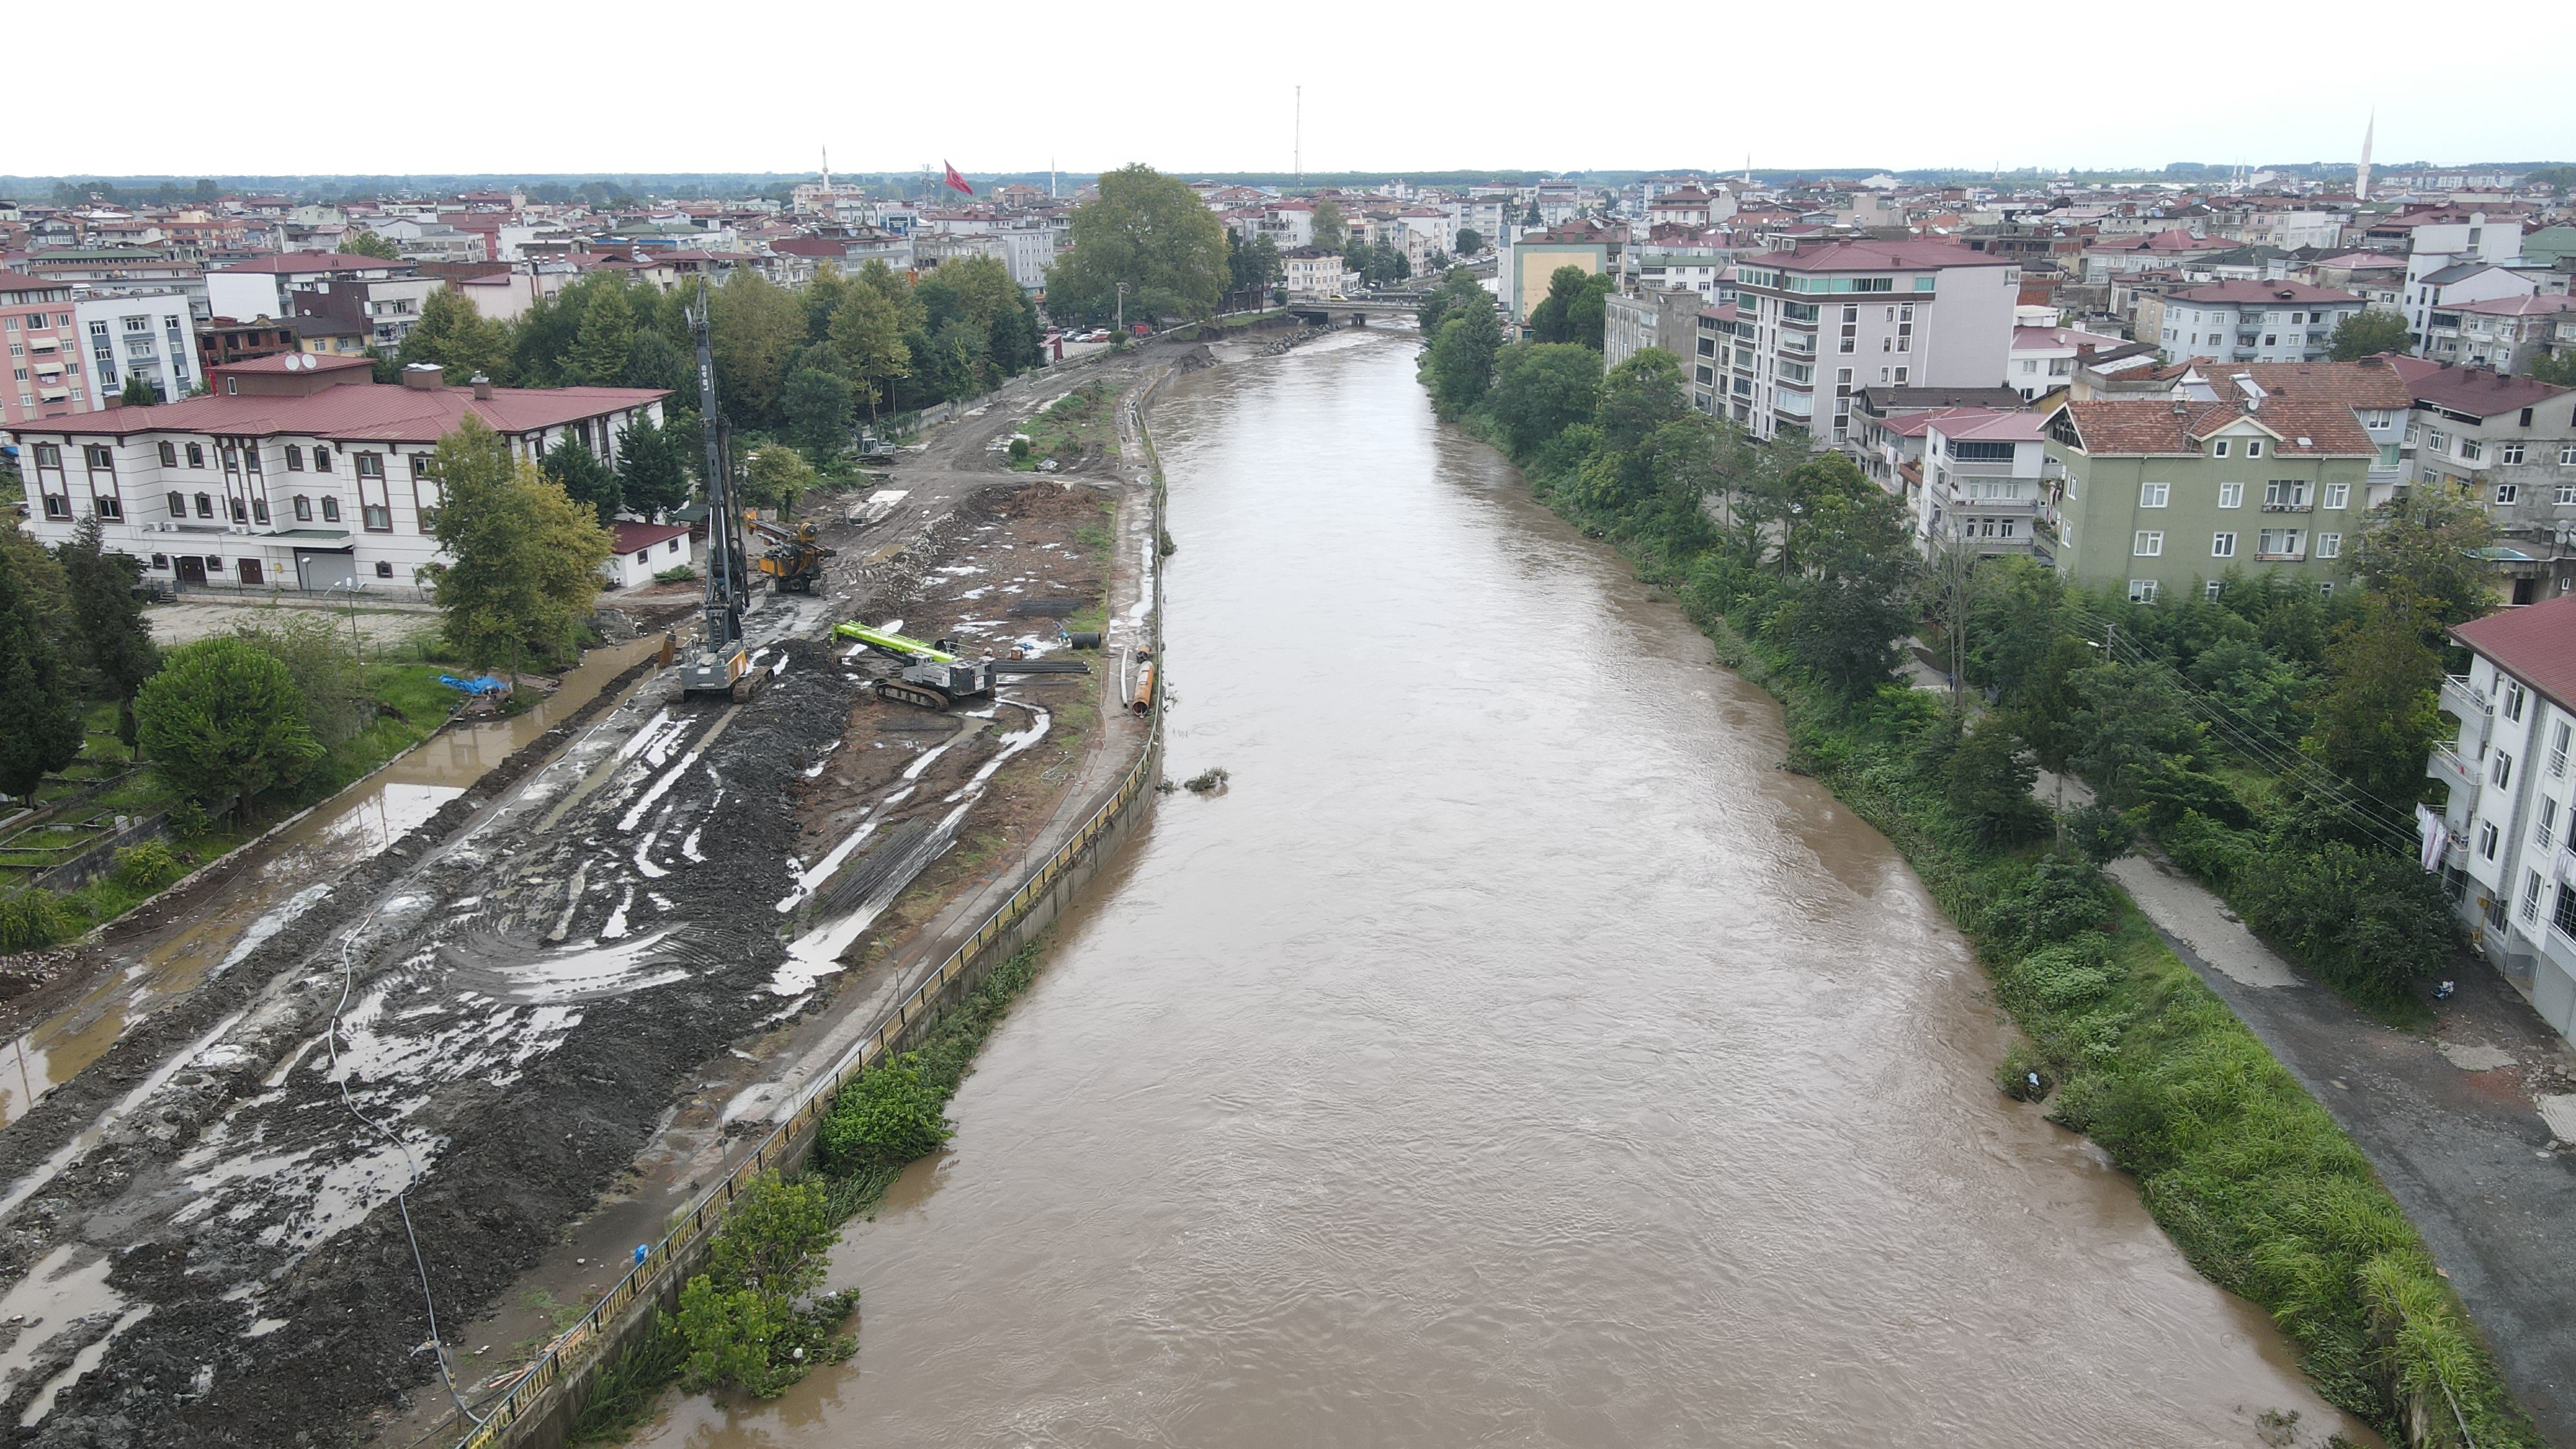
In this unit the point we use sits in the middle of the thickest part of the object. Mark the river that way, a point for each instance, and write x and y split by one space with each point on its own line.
1514 1053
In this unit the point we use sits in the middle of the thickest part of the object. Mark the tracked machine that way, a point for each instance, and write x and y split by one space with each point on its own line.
721 664
934 676
794 559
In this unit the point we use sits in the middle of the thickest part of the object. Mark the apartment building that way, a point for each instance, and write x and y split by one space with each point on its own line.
2453 257
2506 334
41 331
2509 443
1816 324
2255 321
297 472
150 336
1665 319
1536 256
2502 835
1985 481
1310 273
2165 494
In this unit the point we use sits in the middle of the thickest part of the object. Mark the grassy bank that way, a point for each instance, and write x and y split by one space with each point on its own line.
2251 1178
892 1115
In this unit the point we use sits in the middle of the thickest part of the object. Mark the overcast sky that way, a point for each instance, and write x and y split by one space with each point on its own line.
300 86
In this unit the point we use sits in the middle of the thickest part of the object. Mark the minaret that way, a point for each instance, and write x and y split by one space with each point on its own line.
2361 178
827 171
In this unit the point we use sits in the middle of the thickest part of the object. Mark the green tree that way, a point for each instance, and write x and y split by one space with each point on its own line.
2557 369
1638 397
605 342
754 327
2429 544
774 476
1844 608
1541 389
1988 784
583 477
1457 292
2367 334
2378 717
368 244
2133 725
1461 361
322 661
731 1337
221 718
1150 232
115 645
866 331
523 558
1329 229
40 720
886 1118
816 407
980 290
461 340
1587 315
1470 241
652 476
1552 320
139 391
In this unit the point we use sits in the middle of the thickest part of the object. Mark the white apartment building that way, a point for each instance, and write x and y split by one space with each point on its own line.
1985 481
2447 244
152 337
1817 324
2505 843
297 472
2255 321
2043 359
1311 272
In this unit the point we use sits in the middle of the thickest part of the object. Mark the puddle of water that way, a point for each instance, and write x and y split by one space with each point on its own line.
57 1291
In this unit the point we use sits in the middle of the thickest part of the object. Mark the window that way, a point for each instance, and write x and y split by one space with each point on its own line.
2509 452
2285 493
2514 699
2506 493
49 455
178 503
214 565
2564 918
240 513
321 460
2338 495
303 509
2209 591
330 510
2558 749
2231 495
2253 447
2142 591
2547 829
2154 495
2222 545
2218 449
161 561
205 505
1900 377
2565 495
2329 545
384 569
2472 449
2486 840
2280 542
2437 441
2531 896
2567 455
169 455
259 508
2150 543
2502 771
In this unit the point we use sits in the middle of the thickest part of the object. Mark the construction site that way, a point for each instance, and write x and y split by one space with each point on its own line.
463 1038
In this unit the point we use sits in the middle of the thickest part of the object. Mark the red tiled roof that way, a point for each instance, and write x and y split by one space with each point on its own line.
2536 645
2369 383
2481 393
633 537
362 412
2533 306
2300 426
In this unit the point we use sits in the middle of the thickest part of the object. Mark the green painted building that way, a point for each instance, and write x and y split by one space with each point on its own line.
2163 495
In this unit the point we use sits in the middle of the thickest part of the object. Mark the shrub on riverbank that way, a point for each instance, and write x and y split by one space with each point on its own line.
723 1339
2253 1181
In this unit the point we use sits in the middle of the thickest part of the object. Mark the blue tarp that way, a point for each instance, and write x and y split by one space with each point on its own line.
482 684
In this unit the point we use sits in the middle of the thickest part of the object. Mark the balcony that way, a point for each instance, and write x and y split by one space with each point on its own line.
2460 701
2287 508
2293 556
2445 765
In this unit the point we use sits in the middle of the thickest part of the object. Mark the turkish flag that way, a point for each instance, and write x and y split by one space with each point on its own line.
954 181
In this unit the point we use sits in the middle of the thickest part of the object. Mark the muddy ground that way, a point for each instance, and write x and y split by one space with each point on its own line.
527 990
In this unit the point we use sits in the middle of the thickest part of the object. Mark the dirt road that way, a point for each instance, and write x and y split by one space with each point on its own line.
557 1002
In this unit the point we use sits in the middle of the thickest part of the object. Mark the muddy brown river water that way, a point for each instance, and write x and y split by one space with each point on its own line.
1515 1054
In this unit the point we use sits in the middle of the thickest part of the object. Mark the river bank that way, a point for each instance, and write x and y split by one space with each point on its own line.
2250 1177
1512 1051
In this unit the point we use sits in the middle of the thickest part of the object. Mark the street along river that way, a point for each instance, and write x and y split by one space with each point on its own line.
1513 1054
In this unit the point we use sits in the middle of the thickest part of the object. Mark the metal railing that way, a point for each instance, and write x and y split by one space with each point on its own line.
700 1218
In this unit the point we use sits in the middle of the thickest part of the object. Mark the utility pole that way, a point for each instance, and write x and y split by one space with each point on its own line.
1122 312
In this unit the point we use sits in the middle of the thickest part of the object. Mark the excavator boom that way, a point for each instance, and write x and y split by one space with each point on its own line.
894 645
